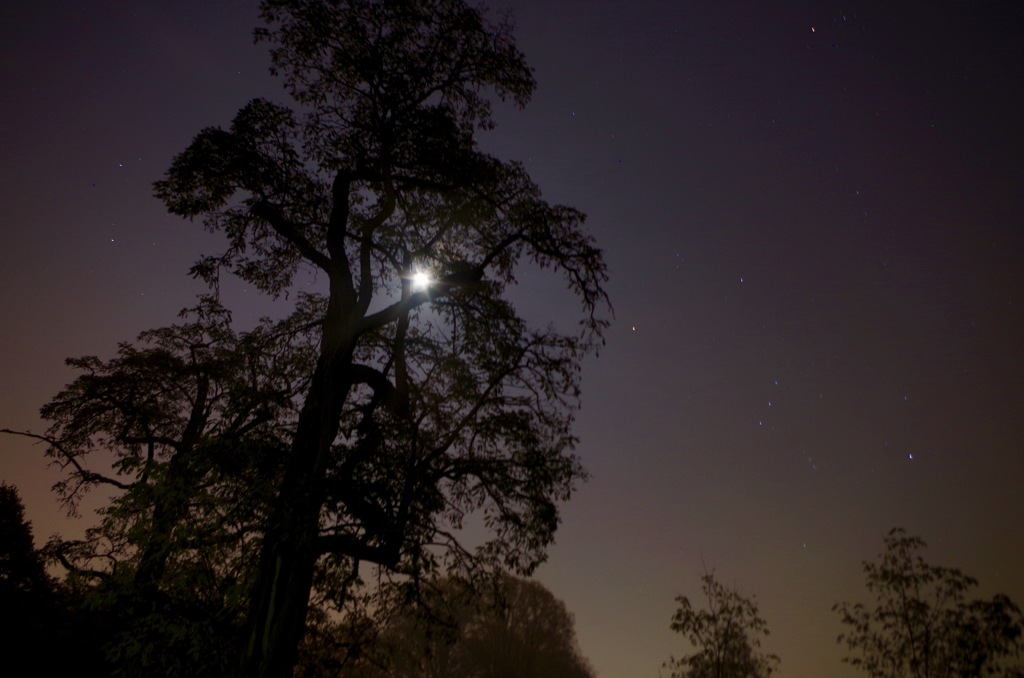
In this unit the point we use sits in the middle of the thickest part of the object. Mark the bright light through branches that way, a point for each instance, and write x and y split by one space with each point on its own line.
420 280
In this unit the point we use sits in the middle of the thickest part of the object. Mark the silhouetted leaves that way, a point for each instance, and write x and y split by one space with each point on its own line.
187 427
923 624
43 625
425 405
726 636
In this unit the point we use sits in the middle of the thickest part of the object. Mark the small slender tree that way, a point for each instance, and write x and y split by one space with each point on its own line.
726 636
923 624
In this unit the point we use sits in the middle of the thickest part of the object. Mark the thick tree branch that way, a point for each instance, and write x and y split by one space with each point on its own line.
375 379
80 571
394 311
366 244
340 271
386 555
272 215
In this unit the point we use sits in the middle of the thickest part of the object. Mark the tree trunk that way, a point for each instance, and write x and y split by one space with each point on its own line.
289 552
170 507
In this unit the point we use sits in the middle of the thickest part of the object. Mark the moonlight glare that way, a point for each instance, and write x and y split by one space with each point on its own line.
420 280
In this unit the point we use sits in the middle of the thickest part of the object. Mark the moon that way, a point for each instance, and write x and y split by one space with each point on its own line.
420 280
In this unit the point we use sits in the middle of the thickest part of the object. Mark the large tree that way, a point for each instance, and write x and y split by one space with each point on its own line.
923 624
726 635
431 398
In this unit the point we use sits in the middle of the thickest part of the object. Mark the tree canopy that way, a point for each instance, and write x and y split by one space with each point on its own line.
726 636
256 471
187 428
923 624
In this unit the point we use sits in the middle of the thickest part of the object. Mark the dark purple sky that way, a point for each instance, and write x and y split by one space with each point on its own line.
814 217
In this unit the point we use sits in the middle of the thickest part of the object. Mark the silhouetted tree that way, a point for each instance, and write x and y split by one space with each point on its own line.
26 593
507 628
726 636
36 613
186 428
22 572
923 625
427 401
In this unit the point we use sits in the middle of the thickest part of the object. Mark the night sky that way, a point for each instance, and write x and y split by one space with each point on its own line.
813 213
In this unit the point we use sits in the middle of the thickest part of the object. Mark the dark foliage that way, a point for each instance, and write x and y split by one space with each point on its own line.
37 614
505 627
425 405
726 636
923 624
257 477
187 428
